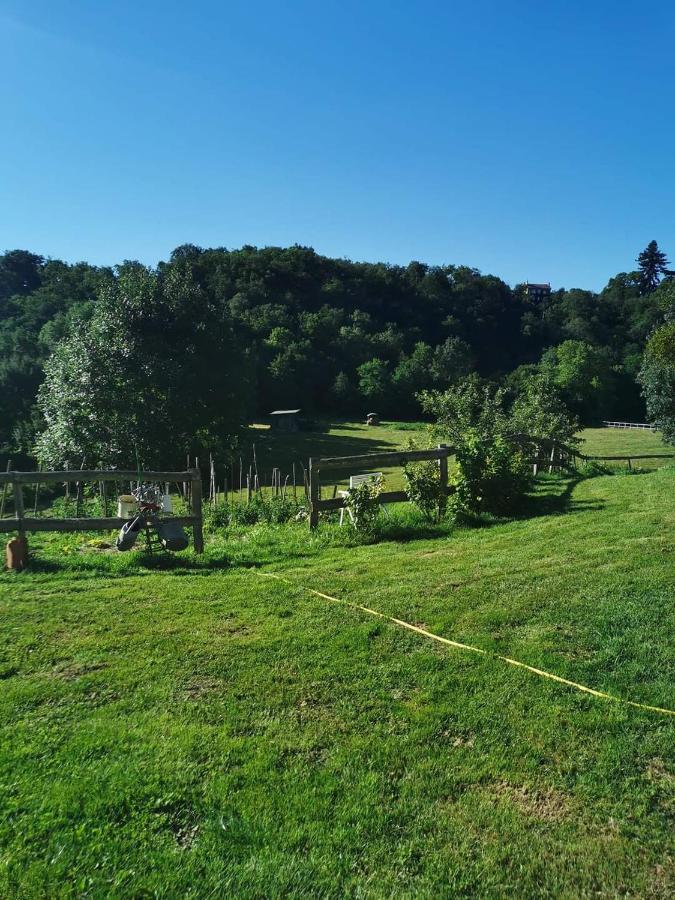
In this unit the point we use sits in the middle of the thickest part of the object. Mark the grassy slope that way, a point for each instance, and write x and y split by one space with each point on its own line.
620 441
337 438
206 730
275 449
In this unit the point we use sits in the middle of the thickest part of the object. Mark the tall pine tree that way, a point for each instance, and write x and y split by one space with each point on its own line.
653 264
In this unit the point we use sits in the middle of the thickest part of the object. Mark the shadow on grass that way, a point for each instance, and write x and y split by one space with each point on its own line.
281 449
404 532
553 496
111 565
547 501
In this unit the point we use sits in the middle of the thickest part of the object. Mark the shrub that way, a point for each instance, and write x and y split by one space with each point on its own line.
492 476
425 491
363 504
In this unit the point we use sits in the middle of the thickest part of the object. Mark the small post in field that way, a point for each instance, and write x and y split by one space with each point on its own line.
198 533
313 493
19 557
443 467
4 490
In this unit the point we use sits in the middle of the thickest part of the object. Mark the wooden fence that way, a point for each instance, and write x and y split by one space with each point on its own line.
557 455
375 462
22 523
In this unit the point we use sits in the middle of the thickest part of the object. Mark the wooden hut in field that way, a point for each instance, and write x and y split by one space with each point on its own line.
285 420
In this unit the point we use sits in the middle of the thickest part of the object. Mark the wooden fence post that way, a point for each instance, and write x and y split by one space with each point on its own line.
19 512
4 491
198 531
443 468
313 494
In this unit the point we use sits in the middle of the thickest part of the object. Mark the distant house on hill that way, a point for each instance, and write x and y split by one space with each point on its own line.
285 420
537 292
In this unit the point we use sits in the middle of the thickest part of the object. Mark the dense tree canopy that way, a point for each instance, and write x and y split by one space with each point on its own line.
287 327
154 372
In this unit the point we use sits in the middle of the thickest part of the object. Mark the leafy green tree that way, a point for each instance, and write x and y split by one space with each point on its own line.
657 375
412 375
583 375
653 263
342 391
658 388
374 382
540 411
145 378
472 404
48 295
288 374
661 345
20 274
452 360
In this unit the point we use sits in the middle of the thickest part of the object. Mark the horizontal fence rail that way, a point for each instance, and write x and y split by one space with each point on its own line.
633 456
562 456
74 476
107 523
375 461
21 523
384 460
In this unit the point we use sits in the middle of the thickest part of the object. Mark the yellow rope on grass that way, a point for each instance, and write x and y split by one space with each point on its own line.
459 646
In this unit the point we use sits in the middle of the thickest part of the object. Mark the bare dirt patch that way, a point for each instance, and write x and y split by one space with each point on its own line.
73 671
657 771
201 686
662 881
185 835
546 804
462 740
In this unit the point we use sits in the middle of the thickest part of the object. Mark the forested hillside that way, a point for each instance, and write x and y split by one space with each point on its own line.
286 327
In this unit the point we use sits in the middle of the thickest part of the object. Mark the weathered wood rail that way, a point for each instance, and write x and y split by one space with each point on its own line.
374 461
21 523
556 454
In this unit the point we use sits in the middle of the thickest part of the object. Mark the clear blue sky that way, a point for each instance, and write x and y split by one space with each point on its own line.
534 140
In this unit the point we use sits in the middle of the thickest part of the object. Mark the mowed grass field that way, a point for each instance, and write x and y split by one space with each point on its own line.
621 442
205 731
276 449
336 438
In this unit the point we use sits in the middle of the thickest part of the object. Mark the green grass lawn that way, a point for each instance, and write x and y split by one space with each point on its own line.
202 731
623 441
276 449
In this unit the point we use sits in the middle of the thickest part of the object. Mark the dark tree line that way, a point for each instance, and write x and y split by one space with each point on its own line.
257 329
